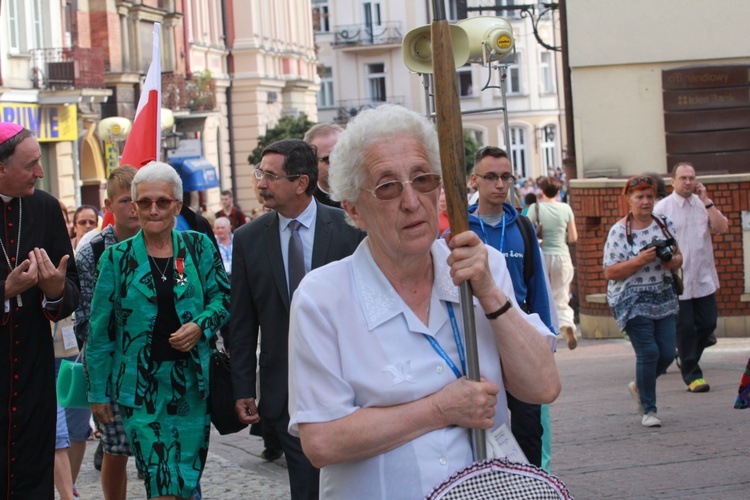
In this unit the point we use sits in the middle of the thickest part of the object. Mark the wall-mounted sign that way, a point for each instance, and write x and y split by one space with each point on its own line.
707 117
49 123
110 156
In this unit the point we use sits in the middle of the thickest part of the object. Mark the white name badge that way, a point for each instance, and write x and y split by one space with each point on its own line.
502 444
69 337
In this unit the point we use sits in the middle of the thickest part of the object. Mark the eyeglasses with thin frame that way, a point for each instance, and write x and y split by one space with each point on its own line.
491 177
422 183
325 159
270 176
161 203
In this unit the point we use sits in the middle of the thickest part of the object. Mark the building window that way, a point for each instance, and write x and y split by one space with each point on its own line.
321 22
372 14
549 149
508 13
518 151
452 10
546 75
14 27
26 26
465 83
38 23
376 82
325 94
514 80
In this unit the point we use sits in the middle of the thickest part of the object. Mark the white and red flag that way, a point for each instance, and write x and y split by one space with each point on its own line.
144 141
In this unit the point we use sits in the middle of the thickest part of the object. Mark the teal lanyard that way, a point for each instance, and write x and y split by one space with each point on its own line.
459 344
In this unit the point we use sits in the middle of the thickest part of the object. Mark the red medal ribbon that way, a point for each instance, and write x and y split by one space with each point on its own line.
180 265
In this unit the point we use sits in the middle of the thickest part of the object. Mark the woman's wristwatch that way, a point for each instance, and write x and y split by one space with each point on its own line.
503 309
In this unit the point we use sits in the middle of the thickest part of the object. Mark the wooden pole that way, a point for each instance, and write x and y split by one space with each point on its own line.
450 137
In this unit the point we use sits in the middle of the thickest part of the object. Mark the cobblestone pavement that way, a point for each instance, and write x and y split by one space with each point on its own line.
600 449
233 471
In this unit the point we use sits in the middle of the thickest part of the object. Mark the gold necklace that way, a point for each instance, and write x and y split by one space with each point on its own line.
163 274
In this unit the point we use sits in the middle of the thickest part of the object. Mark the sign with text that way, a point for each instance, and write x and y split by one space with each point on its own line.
706 77
48 123
706 119
110 155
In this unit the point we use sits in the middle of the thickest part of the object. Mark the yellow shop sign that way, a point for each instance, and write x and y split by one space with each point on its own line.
49 123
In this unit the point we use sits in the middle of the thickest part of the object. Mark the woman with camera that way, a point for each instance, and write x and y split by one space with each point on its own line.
640 255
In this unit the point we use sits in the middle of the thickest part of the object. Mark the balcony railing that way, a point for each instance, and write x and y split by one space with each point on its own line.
349 109
366 34
196 94
173 95
201 92
68 68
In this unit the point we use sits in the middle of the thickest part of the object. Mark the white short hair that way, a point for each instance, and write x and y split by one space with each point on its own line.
347 174
156 171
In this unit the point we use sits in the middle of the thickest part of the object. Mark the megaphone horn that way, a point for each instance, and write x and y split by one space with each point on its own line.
487 34
417 48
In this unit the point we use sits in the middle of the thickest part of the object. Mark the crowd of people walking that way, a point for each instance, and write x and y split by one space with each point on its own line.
338 304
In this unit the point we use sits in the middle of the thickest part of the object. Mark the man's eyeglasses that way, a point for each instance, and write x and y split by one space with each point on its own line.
506 177
422 183
270 176
325 159
161 203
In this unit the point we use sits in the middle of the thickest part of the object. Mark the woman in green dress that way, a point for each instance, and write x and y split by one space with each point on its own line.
159 299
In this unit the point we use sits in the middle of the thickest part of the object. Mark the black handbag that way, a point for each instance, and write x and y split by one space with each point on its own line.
221 396
677 283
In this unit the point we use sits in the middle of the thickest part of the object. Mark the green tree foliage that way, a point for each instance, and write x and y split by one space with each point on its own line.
471 146
288 127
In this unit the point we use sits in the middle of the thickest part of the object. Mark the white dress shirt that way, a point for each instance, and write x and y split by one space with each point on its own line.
354 343
694 235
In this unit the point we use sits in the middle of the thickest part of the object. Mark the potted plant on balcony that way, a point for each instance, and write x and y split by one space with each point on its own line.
201 91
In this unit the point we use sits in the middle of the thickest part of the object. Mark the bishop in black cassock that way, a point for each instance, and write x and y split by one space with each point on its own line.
39 285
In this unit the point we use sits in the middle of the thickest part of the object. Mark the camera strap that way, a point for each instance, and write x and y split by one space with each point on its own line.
660 221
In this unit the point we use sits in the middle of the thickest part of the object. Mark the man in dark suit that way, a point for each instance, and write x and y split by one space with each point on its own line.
261 290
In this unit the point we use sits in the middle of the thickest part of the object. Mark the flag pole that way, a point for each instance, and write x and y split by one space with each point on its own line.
450 137
144 141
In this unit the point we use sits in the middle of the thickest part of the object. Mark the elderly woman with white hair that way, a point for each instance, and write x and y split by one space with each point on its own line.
378 392
159 299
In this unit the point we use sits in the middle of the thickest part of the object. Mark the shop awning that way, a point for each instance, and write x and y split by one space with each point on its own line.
197 173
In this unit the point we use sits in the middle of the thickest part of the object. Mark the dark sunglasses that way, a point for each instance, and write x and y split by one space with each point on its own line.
161 203
637 180
423 183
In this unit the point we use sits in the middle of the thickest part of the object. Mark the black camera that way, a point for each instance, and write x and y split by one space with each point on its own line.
664 249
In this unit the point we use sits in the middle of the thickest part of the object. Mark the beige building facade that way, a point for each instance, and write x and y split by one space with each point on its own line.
273 73
361 65
617 54
654 83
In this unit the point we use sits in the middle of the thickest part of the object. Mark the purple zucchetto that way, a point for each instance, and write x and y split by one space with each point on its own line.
8 131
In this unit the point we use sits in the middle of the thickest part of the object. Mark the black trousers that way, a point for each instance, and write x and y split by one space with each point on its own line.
696 321
304 479
526 426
